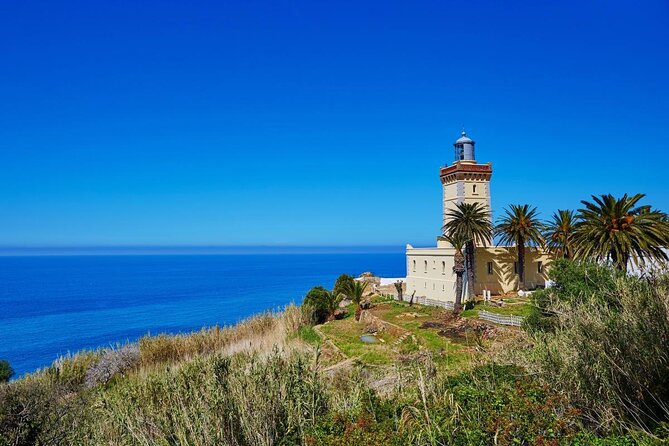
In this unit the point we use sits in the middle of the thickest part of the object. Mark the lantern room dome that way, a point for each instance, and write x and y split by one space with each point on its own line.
464 139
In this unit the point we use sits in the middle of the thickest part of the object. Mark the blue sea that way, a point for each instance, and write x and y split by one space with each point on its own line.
52 305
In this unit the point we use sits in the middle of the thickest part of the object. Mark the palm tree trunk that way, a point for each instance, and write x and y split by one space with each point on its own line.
471 267
620 262
458 293
521 264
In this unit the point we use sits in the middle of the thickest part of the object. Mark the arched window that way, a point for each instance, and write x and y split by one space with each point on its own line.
414 266
474 188
426 266
443 267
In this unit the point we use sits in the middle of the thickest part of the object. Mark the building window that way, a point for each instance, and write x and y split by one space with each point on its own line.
443 287
426 266
414 266
515 267
540 267
443 267
474 188
425 286
489 267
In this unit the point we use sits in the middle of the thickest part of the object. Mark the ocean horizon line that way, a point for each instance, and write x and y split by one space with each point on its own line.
102 250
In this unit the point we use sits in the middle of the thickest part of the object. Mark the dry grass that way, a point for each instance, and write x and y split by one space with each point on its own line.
260 333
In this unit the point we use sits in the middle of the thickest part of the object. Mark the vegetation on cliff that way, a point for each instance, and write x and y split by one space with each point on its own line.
590 368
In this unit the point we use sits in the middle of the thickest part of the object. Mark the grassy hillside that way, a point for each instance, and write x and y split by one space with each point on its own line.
590 368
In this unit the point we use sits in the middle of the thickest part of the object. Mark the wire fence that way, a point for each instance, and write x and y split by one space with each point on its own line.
516 321
422 300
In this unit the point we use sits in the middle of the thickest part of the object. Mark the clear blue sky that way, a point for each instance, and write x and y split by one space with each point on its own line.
317 122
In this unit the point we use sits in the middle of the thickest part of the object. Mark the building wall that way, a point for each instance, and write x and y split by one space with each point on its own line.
433 277
430 273
503 279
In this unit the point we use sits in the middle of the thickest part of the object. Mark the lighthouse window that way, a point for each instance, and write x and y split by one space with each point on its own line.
474 188
459 152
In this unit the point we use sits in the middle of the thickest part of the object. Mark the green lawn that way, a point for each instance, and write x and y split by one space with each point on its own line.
346 334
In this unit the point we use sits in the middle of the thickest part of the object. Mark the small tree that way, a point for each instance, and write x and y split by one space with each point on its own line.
343 282
6 371
400 291
355 292
322 302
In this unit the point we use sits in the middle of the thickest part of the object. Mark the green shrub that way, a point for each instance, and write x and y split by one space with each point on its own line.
608 352
39 411
6 371
488 405
321 302
540 317
576 282
343 283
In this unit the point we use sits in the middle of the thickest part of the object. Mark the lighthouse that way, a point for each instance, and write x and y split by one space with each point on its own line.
465 180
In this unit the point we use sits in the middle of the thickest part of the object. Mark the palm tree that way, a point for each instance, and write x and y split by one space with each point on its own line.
469 222
355 291
458 268
522 227
617 230
559 233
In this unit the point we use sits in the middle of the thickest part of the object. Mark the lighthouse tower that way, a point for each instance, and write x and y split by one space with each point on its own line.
465 180
430 271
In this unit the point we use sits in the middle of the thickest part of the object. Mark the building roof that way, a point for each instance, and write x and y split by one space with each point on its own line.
464 139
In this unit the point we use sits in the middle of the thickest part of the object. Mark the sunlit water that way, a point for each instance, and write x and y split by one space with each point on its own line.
51 305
